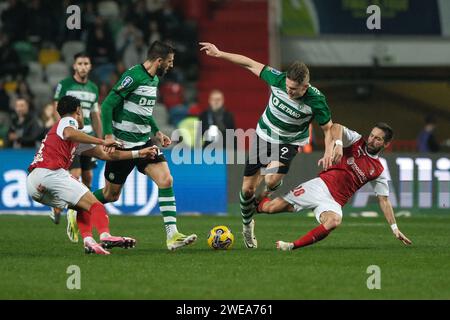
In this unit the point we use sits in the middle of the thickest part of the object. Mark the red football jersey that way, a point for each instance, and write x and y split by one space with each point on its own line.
356 168
55 152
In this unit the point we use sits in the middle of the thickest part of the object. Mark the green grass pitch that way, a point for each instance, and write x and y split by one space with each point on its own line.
35 254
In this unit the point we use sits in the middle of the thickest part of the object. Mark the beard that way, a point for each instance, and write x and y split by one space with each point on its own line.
160 71
83 76
373 151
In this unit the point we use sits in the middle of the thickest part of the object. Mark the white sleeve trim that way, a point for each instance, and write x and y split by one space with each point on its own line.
349 137
95 107
64 123
381 185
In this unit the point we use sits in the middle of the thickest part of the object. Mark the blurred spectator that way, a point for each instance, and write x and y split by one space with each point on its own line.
23 90
172 96
39 22
138 14
171 22
216 119
126 36
154 5
101 49
25 130
152 33
9 59
426 142
135 53
15 20
4 99
48 118
4 126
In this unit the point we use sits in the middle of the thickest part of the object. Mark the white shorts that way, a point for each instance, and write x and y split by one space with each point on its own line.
315 196
55 188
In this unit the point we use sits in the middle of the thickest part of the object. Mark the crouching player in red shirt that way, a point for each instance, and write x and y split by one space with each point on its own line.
50 183
356 162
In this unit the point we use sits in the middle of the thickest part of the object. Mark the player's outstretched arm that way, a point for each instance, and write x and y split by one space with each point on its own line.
99 153
75 135
386 207
249 64
327 160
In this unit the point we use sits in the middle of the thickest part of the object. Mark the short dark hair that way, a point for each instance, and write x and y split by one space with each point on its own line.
159 49
297 71
80 55
67 105
388 132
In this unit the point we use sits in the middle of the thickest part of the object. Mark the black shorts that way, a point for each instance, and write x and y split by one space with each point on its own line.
83 163
117 171
261 153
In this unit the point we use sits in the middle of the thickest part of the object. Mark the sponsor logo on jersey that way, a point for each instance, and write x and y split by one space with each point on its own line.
357 170
275 71
125 82
72 123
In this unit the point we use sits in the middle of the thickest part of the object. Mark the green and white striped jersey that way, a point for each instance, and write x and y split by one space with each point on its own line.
286 120
88 95
132 101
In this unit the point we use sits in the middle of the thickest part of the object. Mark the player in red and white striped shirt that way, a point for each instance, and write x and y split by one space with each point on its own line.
356 162
50 183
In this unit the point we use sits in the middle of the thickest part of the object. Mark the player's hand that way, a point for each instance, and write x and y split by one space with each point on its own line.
110 145
163 139
210 49
149 152
326 161
338 152
400 236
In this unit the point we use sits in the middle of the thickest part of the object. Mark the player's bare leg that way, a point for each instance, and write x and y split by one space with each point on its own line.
276 205
329 221
86 178
273 180
160 174
71 215
55 215
76 173
110 193
247 204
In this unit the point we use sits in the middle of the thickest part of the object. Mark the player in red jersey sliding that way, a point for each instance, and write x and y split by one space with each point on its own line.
356 162
50 183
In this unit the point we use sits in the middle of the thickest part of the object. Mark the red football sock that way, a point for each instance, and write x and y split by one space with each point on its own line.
99 217
261 204
311 237
84 223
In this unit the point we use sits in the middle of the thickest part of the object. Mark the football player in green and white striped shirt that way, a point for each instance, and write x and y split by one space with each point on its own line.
282 128
127 118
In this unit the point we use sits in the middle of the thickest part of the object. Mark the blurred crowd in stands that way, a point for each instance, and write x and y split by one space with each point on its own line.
37 49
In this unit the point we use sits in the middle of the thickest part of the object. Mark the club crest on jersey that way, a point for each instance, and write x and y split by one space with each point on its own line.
72 123
275 71
351 161
125 82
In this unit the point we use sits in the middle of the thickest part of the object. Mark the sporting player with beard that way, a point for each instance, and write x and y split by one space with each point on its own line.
127 117
356 163
50 183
